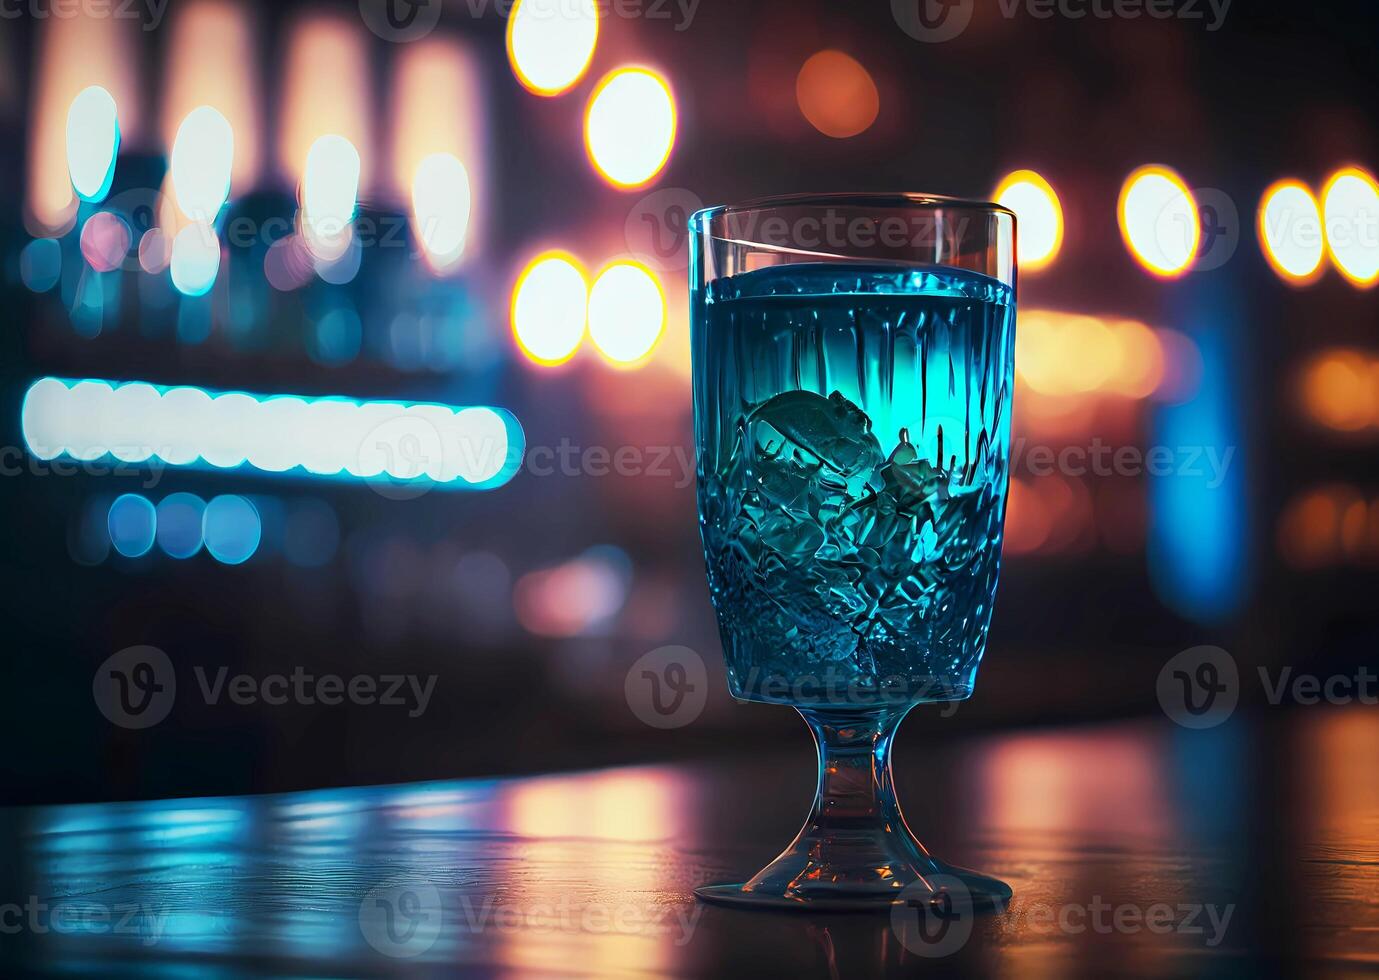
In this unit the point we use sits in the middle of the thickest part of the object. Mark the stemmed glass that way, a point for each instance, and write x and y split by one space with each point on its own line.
853 360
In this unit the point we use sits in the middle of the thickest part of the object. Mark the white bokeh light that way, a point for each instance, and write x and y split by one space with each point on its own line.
441 206
472 446
551 42
93 141
1159 220
1038 214
549 306
195 259
1290 231
627 312
203 153
1350 205
629 128
330 192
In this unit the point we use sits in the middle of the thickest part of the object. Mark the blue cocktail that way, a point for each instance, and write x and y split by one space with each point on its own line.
852 417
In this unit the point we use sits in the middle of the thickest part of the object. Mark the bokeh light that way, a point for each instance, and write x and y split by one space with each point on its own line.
93 141
467 447
551 42
629 127
1350 205
133 523
105 241
335 337
1159 220
213 58
1070 354
574 598
71 53
1039 217
1339 390
836 94
155 251
311 534
1329 525
330 192
440 209
288 264
627 312
180 524
439 103
326 88
231 529
40 264
1290 231
549 306
202 156
195 259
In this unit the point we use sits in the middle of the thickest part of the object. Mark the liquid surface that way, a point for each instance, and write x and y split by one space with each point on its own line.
853 425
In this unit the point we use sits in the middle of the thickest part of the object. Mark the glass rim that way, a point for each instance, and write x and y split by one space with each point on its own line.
892 200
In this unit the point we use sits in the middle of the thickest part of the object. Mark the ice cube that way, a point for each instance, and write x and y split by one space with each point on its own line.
914 485
804 443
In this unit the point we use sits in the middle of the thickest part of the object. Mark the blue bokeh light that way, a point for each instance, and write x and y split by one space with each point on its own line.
40 264
132 523
1198 535
232 529
179 524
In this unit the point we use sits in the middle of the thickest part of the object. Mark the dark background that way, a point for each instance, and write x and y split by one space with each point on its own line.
1126 574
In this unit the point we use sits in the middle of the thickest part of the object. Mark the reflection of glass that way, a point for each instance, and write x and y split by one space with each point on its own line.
853 365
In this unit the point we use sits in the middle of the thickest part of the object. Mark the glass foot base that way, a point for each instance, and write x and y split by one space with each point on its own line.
855 851
965 890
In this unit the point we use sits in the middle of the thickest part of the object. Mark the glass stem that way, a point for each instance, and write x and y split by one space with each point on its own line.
855 793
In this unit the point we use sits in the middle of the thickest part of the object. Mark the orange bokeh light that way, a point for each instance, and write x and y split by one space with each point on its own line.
837 95
1340 390
211 61
326 90
1326 525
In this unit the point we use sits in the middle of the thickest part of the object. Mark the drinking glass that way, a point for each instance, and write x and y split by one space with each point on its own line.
853 360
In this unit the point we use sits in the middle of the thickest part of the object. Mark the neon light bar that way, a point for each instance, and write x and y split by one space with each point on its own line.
462 448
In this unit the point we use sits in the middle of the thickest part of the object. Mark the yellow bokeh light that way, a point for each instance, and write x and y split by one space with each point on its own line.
627 313
1350 205
1038 214
551 42
629 127
1159 221
1290 231
549 305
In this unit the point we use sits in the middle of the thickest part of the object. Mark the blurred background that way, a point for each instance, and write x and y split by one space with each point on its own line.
481 207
